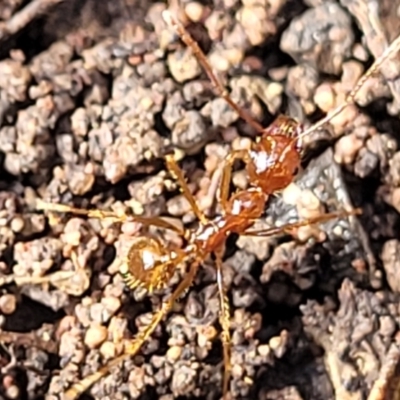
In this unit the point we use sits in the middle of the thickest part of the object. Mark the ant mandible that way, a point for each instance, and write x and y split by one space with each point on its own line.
271 165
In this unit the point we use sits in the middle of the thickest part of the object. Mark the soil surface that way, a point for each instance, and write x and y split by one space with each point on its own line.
93 94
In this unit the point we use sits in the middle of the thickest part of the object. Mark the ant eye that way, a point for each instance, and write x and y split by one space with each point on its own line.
296 171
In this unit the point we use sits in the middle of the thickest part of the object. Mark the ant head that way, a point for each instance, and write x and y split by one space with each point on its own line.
275 158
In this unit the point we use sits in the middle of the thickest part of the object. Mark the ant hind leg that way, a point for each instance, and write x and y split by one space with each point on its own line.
73 282
102 214
80 387
225 322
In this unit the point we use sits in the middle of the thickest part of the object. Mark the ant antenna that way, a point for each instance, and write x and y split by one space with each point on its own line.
351 97
202 59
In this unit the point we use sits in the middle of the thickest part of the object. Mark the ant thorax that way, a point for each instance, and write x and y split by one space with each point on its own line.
240 211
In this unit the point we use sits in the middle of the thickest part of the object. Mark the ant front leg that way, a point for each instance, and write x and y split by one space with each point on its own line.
79 388
223 195
102 214
224 320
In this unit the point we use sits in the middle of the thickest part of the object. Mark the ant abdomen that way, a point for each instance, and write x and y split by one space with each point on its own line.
148 264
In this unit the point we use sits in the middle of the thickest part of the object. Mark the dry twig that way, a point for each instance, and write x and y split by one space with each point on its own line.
25 16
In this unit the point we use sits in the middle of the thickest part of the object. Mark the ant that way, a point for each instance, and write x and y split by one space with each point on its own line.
271 165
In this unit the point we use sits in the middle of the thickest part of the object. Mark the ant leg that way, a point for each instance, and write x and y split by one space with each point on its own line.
79 388
72 282
177 173
101 214
36 280
223 195
224 320
288 227
202 59
351 97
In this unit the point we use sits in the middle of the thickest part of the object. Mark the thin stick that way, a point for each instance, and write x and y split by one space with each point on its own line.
22 18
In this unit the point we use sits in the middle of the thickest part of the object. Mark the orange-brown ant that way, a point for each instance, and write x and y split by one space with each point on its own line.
271 164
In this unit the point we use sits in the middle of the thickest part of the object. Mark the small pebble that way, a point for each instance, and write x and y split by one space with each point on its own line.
219 62
291 194
205 335
346 149
174 353
264 350
117 328
97 313
8 304
387 326
309 206
95 336
7 381
275 342
65 324
237 371
360 53
183 65
108 350
324 97
254 19
12 392
194 11
17 224
112 304
83 314
394 198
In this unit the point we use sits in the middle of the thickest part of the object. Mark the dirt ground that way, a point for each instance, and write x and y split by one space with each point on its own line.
93 94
